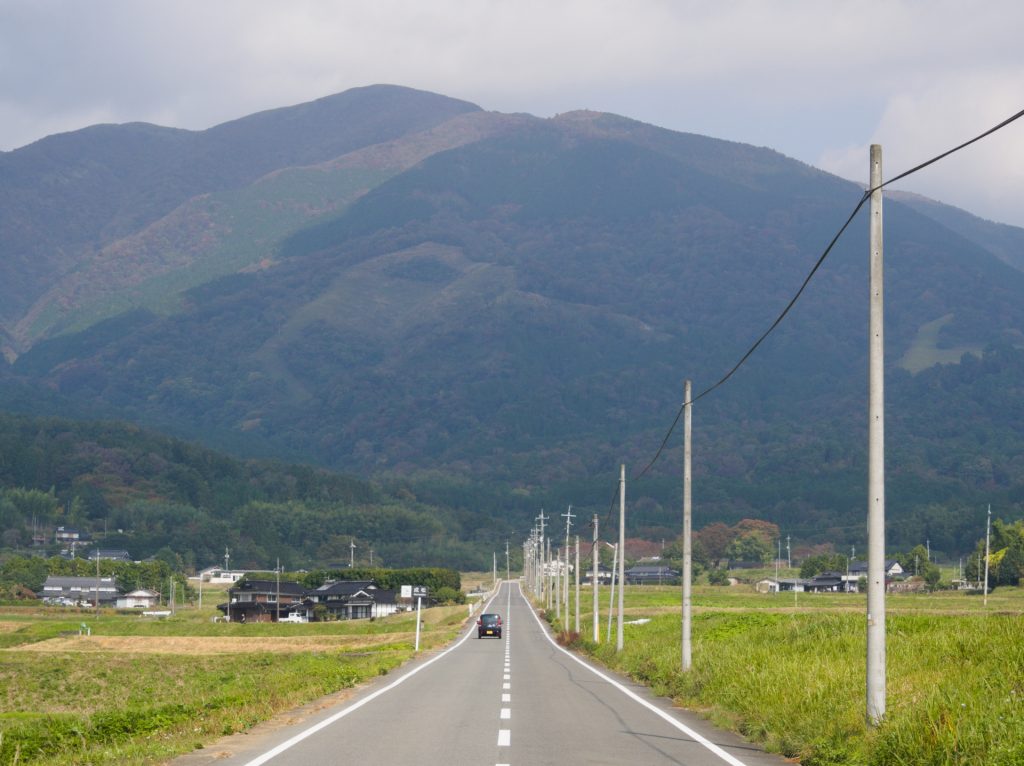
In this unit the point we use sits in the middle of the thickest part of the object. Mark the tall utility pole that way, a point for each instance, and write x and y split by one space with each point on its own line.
593 582
558 585
508 571
547 569
687 524
577 624
352 553
988 534
876 456
542 565
778 559
611 594
789 555
569 516
622 553
277 605
494 567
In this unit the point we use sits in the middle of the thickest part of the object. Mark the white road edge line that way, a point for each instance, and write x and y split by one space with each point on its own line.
730 759
286 745
504 737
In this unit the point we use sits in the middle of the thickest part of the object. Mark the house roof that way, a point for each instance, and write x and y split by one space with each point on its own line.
89 583
287 587
344 587
862 566
117 554
651 570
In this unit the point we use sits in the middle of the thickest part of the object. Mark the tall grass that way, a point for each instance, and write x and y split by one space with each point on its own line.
795 680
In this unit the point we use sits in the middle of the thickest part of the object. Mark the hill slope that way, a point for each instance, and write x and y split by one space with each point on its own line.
65 197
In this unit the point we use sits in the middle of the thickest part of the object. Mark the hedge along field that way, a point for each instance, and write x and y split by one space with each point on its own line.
90 705
794 679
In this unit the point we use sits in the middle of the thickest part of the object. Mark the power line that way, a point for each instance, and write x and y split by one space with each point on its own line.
866 196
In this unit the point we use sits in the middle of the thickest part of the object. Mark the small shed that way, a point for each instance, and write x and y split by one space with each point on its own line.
138 599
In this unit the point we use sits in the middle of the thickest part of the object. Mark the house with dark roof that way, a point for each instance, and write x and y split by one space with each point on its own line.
80 590
657 575
354 599
258 600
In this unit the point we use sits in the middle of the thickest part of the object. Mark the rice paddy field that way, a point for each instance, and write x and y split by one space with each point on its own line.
789 672
82 688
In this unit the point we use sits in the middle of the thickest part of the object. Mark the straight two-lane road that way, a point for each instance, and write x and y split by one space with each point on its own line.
518 700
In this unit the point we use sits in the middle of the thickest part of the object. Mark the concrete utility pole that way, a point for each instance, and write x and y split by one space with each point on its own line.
352 553
687 524
789 555
988 534
508 571
876 456
277 605
569 516
593 581
494 567
611 594
558 584
622 553
542 565
547 569
778 559
577 624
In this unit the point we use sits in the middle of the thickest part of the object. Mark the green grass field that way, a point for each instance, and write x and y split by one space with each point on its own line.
139 691
789 673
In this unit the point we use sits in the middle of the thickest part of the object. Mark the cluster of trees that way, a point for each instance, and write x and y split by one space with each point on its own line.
749 540
1006 555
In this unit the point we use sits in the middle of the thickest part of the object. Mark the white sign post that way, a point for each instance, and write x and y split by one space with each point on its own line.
418 591
418 601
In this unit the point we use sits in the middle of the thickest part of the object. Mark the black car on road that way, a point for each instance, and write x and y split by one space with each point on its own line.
488 625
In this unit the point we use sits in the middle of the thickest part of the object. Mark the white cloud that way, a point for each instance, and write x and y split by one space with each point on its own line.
986 178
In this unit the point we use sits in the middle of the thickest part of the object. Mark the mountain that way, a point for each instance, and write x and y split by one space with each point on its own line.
501 301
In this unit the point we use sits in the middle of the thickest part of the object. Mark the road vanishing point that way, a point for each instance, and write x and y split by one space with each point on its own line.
521 700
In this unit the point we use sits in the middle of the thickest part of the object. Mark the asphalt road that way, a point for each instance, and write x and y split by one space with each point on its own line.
518 700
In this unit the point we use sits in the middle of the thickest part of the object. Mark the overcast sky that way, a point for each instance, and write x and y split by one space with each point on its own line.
814 79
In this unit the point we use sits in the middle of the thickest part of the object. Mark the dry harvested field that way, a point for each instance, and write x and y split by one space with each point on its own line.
208 645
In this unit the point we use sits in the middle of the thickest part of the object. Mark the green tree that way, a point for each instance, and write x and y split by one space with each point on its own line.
749 547
825 562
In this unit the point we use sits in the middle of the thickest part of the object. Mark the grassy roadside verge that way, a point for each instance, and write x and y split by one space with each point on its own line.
792 679
81 703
